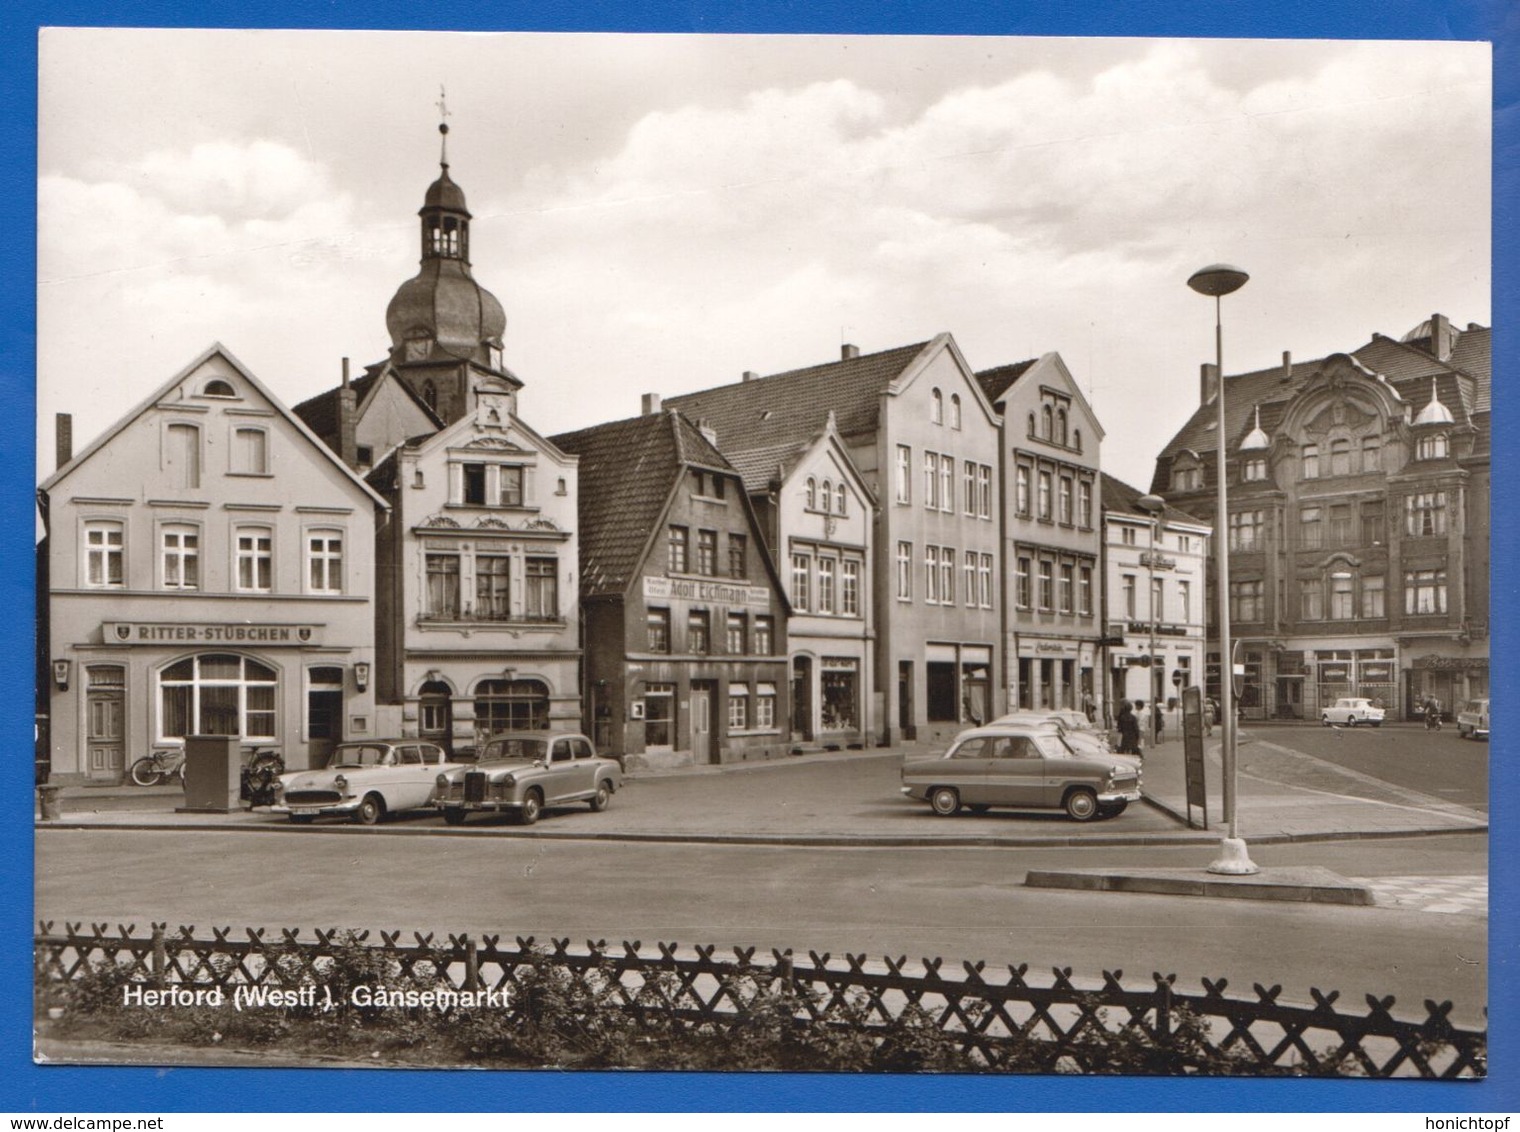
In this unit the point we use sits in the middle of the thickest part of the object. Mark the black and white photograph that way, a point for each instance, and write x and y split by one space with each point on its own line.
811 553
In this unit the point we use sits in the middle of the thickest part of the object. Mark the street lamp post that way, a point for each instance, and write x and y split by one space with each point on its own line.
1153 505
1218 280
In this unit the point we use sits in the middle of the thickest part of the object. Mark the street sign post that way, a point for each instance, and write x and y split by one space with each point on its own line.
1192 753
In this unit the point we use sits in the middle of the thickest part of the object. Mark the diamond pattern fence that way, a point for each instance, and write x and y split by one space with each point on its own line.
1002 1019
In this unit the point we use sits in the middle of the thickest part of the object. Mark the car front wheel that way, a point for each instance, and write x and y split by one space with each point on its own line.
944 801
532 806
1081 805
602 798
370 811
1325 720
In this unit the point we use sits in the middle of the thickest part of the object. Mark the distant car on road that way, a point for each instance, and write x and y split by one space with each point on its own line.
363 780
1024 767
1351 711
1472 720
526 772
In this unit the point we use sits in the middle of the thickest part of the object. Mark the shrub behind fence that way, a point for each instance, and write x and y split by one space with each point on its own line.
996 1020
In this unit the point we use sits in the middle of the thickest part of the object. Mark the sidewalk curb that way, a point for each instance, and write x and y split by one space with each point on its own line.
1295 885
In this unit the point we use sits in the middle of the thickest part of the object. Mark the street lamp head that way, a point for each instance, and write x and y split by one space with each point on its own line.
1151 503
1217 279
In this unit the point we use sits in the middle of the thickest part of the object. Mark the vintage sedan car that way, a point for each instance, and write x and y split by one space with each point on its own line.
525 772
1021 767
1350 711
1472 720
364 780
1084 740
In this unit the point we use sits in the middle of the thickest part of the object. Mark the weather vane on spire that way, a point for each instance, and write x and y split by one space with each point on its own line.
443 126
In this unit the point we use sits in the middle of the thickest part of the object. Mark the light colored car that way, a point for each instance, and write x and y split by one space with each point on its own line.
1085 740
364 780
1472 720
1021 767
1351 711
527 772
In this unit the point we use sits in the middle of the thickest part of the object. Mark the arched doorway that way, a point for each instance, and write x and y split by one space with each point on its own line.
435 711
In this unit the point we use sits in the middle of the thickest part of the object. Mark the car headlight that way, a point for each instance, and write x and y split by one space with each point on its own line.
341 782
507 782
442 782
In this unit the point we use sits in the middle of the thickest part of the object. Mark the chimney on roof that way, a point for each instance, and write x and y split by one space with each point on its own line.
1441 337
650 404
710 434
848 350
348 406
63 437
1208 382
749 375
1287 369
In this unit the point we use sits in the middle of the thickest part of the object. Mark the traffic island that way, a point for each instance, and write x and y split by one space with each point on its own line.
1306 885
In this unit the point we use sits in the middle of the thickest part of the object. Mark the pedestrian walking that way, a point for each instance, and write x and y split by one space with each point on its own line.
1159 721
1129 730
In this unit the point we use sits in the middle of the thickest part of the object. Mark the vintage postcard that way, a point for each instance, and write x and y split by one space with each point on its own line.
812 553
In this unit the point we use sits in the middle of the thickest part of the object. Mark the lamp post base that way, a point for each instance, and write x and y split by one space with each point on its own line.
1233 859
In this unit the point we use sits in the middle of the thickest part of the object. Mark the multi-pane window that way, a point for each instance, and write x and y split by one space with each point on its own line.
676 540
1373 600
1311 532
826 569
474 477
1158 601
1021 490
984 581
707 553
1372 453
1309 461
810 494
968 487
968 577
947 575
931 574
657 622
104 564
984 491
1064 500
1185 600
738 707
699 632
1431 447
250 451
511 485
1047 585
1187 479
541 588
1424 591
1021 594
443 586
738 634
849 588
1127 582
492 596
1340 524
931 480
1044 501
1245 530
182 556
1246 601
1254 468
1084 590
947 483
1374 525
255 559
765 706
324 562
904 571
1340 457
1067 580
937 407
764 635
1425 514
738 547
840 496
802 575
1127 536
1084 505
1342 596
955 410
1311 599
217 694
904 474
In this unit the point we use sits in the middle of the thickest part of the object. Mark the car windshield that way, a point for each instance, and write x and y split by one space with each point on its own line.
361 755
517 747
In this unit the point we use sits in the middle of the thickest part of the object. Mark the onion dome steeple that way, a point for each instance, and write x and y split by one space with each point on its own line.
1256 439
442 314
1434 412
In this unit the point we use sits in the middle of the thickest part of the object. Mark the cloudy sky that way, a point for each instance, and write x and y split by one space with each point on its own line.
661 213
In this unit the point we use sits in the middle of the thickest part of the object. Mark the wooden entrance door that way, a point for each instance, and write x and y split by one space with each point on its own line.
702 750
105 740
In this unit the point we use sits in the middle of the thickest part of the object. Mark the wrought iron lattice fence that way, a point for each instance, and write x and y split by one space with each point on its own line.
1001 1019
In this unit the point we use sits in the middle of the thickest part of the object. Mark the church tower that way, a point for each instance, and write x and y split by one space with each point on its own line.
446 329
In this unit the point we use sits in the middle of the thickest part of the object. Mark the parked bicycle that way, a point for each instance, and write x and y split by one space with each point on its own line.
160 767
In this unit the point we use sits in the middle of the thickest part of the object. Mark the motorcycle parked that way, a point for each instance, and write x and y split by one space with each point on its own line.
261 772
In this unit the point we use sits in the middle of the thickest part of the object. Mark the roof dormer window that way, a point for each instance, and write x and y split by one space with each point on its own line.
216 387
1433 447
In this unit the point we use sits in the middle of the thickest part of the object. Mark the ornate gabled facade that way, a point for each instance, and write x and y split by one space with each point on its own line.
1358 529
